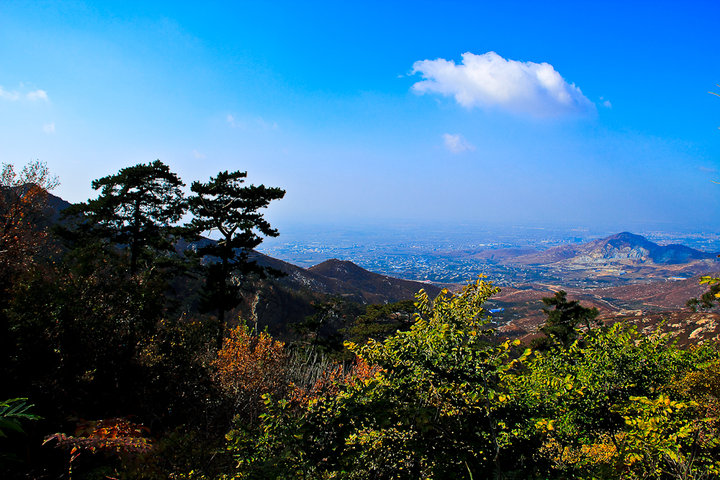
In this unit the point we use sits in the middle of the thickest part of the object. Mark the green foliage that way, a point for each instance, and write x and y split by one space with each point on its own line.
708 299
380 321
12 413
444 374
666 438
444 396
436 405
182 453
563 320
176 361
585 398
95 330
75 337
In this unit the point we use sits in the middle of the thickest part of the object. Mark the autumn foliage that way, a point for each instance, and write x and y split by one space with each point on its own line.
23 197
118 435
249 366
113 436
332 379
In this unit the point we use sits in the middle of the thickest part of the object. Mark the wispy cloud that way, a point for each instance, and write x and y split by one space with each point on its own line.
455 143
265 125
7 95
491 81
255 122
605 103
49 128
234 123
14 95
199 155
37 95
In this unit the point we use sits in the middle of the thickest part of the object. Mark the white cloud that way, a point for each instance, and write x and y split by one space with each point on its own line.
490 81
7 95
49 127
607 104
14 95
455 143
198 155
37 95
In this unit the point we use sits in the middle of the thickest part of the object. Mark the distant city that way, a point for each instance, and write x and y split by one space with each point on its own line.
443 255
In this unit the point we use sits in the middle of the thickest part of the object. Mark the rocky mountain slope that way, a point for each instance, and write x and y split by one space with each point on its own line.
623 247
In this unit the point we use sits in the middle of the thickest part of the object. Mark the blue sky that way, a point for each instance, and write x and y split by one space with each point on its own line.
468 112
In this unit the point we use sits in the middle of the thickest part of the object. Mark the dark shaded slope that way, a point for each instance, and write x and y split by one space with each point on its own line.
389 288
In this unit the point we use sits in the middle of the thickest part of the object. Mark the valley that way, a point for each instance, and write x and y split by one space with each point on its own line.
510 256
627 277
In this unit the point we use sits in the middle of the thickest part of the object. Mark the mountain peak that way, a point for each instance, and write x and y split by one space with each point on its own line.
626 236
628 240
336 266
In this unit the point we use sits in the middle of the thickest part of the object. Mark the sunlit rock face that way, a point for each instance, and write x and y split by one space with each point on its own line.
611 252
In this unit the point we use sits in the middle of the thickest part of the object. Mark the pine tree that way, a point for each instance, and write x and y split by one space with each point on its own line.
224 205
563 319
135 208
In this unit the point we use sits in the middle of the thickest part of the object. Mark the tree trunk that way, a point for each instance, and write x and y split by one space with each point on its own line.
134 242
222 298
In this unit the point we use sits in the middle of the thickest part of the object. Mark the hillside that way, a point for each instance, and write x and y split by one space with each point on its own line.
659 304
282 301
345 279
625 276
373 284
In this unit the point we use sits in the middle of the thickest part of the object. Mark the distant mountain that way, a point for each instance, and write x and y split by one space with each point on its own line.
56 205
622 247
50 214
